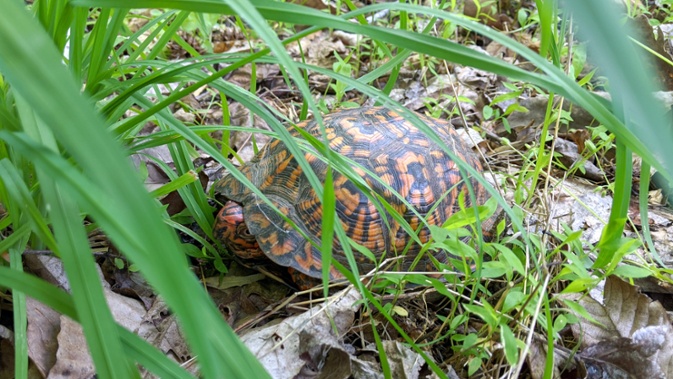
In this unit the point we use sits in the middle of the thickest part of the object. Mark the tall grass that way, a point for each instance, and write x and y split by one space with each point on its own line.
65 145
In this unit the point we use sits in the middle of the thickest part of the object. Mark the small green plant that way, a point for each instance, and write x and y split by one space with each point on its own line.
341 67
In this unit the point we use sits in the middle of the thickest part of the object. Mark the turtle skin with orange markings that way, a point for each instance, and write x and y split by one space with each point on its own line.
387 153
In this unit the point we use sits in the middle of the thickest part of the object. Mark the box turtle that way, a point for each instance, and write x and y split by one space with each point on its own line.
380 142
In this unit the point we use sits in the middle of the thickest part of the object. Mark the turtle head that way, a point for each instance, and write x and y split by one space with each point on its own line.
231 230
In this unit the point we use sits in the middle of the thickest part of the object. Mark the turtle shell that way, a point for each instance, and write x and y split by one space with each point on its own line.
380 143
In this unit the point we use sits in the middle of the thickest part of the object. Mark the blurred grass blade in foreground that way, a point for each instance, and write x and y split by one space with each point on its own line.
33 67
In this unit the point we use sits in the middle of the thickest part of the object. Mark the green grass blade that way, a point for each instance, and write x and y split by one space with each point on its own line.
611 237
19 206
17 190
104 36
545 11
632 91
137 348
35 71
17 235
15 243
328 220
73 246
78 27
630 85
97 322
20 316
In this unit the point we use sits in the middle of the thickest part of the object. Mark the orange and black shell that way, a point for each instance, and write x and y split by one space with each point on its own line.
379 142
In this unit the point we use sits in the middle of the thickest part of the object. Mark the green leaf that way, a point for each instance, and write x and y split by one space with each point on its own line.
579 310
509 344
495 269
328 221
514 298
580 285
485 312
509 257
560 323
487 112
632 272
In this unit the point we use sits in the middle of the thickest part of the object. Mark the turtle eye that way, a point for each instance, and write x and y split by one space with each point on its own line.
244 231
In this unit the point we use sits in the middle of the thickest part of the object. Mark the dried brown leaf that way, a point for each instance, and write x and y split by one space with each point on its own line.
629 328
159 327
44 325
301 344
624 357
569 155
